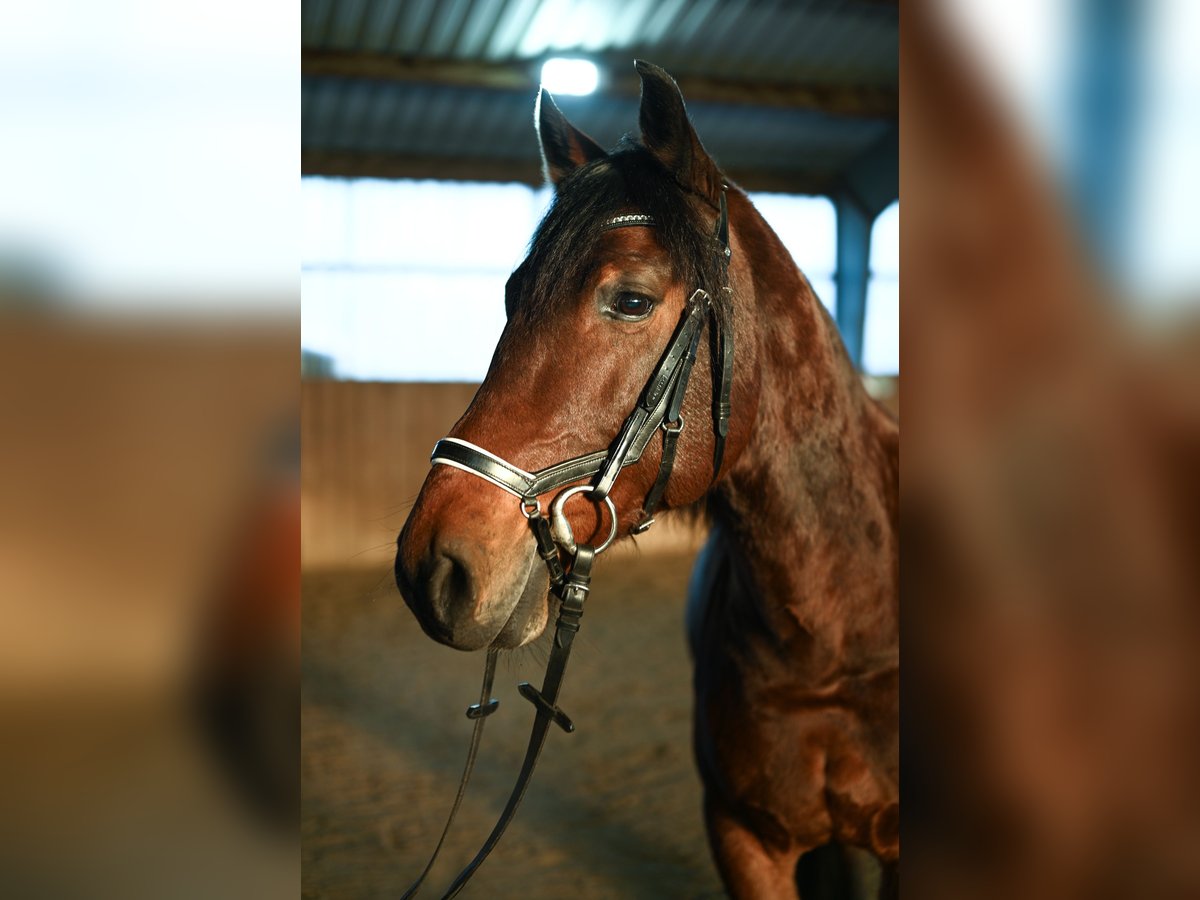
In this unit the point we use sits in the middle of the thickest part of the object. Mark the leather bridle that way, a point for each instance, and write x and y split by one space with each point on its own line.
569 563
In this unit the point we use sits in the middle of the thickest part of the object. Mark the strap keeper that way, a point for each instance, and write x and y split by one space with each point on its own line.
547 549
482 711
723 413
643 526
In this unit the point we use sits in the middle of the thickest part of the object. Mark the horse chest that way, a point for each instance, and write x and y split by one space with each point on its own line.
808 761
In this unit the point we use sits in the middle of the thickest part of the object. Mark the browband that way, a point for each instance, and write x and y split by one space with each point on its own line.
627 220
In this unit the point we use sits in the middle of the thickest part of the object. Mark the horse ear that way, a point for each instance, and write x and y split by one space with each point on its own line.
668 134
564 147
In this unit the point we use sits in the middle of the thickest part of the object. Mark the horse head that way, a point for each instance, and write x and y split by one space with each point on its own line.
610 273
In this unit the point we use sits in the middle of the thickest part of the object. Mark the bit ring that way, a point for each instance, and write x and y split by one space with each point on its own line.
560 526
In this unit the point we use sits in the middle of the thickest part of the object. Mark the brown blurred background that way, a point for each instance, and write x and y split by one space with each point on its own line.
150 597
149 458
1052 420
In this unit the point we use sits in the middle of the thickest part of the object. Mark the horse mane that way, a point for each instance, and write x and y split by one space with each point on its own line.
630 179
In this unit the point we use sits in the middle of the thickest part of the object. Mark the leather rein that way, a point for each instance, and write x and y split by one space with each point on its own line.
569 563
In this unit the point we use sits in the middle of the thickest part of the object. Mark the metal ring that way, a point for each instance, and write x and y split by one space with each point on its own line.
527 503
673 427
556 515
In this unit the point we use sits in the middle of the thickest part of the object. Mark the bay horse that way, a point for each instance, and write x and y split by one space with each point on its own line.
793 608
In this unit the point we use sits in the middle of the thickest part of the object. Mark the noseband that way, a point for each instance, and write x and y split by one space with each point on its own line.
569 564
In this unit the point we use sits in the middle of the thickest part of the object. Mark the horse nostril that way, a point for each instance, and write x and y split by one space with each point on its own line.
447 586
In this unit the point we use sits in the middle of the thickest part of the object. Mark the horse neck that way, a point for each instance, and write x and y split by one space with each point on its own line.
810 505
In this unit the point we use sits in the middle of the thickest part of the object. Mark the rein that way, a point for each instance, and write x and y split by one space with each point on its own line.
569 563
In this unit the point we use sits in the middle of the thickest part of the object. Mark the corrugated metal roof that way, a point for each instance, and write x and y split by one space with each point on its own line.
811 41
766 42
430 120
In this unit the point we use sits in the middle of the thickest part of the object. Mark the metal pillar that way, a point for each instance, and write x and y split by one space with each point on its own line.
1105 94
853 271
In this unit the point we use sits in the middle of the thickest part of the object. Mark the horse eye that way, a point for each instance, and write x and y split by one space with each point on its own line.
633 306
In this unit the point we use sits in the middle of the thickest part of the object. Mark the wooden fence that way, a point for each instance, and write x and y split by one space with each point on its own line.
365 453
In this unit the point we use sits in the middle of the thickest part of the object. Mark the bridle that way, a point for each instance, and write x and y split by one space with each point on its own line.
569 563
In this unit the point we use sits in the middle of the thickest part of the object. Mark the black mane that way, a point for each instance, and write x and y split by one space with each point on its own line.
630 179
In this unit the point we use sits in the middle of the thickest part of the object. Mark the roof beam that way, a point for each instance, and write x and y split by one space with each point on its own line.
343 164
874 178
348 164
870 102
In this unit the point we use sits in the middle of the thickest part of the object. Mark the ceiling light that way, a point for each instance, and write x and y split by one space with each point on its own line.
570 76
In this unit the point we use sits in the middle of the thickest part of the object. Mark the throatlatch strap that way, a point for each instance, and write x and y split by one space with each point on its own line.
479 712
672 426
722 330
573 592
650 410
723 374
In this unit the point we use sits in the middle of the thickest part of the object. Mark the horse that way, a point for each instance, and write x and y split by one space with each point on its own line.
793 606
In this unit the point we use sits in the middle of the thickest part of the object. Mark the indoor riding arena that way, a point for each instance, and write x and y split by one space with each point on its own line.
566 565
423 184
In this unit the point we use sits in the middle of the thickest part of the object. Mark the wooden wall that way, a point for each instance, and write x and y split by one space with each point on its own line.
365 454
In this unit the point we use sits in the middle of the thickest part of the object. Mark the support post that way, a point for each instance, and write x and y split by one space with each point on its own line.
1106 93
853 271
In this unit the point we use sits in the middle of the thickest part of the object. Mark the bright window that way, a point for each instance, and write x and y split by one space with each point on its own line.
404 280
808 228
881 328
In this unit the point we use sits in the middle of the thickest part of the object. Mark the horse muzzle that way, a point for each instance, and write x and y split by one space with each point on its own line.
474 583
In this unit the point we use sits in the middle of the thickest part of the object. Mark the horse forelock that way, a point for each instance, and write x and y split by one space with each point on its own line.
563 248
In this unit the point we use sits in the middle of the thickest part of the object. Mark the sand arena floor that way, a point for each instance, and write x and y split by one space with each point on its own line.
614 809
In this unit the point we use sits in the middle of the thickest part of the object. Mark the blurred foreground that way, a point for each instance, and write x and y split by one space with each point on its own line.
1051 508
149 488
149 556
